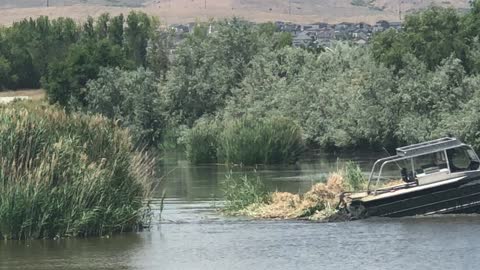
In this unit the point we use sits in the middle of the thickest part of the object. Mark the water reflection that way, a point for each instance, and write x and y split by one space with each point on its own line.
94 253
193 182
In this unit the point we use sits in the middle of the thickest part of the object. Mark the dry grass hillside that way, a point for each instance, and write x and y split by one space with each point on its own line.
181 11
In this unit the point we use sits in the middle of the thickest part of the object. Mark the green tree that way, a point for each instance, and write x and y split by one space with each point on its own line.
66 79
138 32
208 66
158 52
431 36
131 97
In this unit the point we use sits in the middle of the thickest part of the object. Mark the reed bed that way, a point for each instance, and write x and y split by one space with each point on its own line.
261 141
202 142
246 141
66 175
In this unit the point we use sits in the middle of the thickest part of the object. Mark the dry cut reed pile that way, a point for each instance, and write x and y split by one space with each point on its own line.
319 203
68 174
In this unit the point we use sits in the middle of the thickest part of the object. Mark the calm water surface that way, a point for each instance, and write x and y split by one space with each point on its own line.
193 235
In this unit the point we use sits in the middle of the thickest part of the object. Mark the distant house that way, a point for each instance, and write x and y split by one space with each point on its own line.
307 27
361 37
292 28
396 25
180 28
343 26
321 25
361 32
361 41
364 26
280 25
303 39
326 34
381 26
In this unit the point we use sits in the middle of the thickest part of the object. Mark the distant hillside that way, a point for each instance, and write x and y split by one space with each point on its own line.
177 11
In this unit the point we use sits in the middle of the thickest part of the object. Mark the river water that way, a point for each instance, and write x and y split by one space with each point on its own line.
192 235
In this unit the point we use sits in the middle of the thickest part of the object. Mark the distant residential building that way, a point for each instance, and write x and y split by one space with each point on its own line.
303 39
396 25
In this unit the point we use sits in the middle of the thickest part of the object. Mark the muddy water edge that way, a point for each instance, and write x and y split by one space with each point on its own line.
193 235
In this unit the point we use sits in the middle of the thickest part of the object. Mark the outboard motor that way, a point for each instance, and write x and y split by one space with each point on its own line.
407 177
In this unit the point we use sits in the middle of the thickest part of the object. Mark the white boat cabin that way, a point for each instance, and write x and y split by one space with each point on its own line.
423 164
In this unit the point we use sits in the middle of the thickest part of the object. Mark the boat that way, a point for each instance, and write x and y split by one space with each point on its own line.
435 177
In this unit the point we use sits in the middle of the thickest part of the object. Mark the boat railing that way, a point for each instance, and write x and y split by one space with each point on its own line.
383 161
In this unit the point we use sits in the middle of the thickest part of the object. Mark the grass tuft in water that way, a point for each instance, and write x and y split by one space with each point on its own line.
242 191
67 175
355 179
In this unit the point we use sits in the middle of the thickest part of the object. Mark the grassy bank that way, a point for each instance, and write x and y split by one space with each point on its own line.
67 175
248 197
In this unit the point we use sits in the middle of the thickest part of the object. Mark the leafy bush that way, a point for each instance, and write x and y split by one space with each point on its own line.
68 175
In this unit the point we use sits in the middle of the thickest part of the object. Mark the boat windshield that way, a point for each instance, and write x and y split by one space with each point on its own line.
462 159
430 163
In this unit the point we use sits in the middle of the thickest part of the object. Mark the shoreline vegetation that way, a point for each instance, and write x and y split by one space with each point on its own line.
247 196
67 175
231 91
246 141
131 68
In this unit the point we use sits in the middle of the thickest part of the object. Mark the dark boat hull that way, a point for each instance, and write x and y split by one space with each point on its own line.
462 196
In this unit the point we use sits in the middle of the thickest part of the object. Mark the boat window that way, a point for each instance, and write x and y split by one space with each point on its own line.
430 163
462 159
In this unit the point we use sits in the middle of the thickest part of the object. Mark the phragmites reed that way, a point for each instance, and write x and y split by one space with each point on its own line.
68 174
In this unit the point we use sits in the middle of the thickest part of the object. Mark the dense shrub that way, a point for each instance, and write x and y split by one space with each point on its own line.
68 175
260 141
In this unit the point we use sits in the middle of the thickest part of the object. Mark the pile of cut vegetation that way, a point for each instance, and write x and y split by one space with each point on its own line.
67 175
249 198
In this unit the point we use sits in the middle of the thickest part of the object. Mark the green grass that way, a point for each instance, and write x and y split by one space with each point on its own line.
355 179
68 174
252 141
246 141
202 142
242 191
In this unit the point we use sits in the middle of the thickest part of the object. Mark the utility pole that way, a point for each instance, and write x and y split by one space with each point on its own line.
400 10
289 7
48 4
205 4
